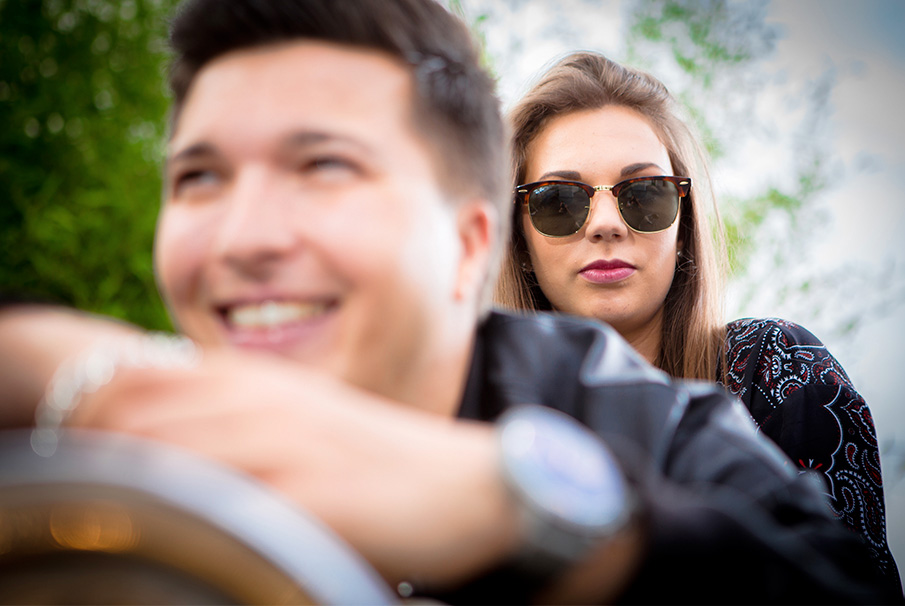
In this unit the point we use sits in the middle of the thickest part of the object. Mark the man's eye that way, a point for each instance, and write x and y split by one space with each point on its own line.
330 167
191 179
328 163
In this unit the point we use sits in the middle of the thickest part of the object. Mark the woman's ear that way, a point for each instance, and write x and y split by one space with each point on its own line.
478 224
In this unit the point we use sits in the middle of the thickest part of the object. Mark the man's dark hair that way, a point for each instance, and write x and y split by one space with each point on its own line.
454 108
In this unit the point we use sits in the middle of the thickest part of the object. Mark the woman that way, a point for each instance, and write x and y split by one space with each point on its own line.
612 222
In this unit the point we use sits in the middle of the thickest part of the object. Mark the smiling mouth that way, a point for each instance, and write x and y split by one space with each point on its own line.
272 314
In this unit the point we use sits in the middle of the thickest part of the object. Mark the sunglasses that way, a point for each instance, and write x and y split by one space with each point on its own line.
561 208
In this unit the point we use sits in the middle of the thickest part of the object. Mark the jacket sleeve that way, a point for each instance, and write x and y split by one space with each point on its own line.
730 521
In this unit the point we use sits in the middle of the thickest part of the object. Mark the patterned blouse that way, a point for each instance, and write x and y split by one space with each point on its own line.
802 399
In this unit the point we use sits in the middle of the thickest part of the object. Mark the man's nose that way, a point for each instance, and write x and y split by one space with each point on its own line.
255 228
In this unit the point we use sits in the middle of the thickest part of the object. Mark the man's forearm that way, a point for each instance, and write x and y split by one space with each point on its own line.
34 341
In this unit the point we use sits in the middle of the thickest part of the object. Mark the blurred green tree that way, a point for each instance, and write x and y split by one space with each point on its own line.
715 53
718 47
83 105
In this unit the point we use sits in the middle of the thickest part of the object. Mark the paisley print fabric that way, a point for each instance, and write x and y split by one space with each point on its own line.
801 398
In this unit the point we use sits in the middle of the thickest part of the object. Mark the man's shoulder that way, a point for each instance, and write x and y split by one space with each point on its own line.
585 369
596 352
540 323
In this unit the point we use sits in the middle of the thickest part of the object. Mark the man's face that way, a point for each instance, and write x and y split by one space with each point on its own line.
304 216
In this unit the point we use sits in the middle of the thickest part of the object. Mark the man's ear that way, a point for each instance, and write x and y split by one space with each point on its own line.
478 224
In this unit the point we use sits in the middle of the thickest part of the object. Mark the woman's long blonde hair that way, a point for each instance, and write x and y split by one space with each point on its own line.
693 329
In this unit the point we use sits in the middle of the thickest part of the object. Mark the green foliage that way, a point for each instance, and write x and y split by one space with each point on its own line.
698 33
709 139
707 40
750 215
716 46
83 105
476 25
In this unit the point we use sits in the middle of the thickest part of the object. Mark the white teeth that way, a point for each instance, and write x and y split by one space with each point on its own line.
272 313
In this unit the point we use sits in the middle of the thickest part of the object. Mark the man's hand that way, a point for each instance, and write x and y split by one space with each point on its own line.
418 495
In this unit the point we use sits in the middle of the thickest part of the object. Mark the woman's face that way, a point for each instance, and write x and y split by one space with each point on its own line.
605 270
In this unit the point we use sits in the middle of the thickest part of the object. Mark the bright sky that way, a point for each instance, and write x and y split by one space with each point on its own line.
852 251
864 40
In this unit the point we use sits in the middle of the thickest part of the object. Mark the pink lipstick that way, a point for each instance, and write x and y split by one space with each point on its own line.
607 272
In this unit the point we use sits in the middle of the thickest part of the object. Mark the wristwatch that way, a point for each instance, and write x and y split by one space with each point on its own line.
570 492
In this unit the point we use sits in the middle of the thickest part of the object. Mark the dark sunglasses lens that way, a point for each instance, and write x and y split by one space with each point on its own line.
649 205
558 209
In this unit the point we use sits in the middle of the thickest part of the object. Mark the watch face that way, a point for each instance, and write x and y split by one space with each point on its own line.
564 469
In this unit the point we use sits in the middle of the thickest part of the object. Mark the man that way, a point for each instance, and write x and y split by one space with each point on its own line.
335 195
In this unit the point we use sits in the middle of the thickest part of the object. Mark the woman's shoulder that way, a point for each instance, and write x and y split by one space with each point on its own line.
776 347
750 330
751 339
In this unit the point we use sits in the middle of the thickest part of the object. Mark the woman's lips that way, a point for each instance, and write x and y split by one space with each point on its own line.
606 272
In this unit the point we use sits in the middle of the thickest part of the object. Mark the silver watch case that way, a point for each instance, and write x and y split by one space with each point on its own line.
571 493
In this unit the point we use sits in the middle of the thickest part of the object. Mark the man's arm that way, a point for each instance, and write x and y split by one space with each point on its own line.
420 496
731 512
34 340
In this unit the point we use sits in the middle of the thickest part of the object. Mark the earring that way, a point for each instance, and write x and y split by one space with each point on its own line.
684 263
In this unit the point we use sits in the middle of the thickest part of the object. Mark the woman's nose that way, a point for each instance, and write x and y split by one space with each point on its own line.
604 221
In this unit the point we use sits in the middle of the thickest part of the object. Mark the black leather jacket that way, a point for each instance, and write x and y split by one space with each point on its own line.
730 519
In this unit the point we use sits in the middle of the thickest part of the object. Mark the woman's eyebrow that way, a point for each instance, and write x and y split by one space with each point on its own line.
571 175
627 171
631 169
